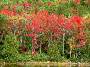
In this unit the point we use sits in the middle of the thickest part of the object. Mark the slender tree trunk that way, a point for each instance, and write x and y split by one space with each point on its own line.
63 42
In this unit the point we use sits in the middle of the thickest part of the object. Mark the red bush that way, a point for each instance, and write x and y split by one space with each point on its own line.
44 22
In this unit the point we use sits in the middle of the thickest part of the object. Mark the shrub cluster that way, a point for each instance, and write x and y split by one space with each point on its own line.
44 30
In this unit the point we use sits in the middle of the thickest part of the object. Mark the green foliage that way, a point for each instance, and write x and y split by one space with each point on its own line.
9 51
10 48
52 9
1 7
19 8
20 1
81 54
28 43
83 10
84 53
5 1
64 8
3 21
3 18
45 0
24 57
54 53
30 1
40 57
49 0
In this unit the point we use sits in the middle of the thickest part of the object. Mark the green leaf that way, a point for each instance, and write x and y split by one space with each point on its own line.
45 0
5 1
20 1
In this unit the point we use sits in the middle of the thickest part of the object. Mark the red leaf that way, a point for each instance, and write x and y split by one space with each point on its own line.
77 1
7 12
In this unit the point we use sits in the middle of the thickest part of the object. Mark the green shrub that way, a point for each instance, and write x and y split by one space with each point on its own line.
54 53
10 48
40 57
3 19
3 22
24 57
84 53
64 8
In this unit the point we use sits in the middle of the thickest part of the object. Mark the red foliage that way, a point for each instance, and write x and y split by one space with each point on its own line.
49 3
81 38
68 25
31 35
76 19
77 1
7 12
44 22
26 4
